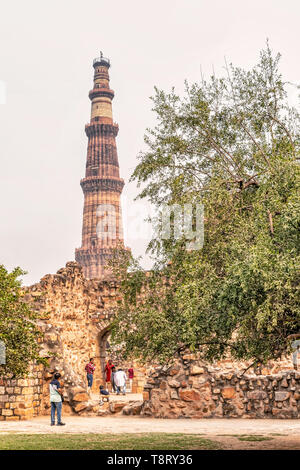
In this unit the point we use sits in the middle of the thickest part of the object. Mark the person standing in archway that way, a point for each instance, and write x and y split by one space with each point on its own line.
120 381
107 370
90 369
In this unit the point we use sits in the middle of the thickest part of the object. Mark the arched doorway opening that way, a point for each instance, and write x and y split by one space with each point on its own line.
107 352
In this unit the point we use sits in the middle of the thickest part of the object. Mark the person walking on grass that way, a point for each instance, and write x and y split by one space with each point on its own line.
90 369
120 381
56 399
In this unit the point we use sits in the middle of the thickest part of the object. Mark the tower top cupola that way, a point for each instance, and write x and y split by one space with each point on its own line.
101 61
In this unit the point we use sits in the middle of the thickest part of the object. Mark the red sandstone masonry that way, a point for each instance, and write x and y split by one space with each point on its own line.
102 185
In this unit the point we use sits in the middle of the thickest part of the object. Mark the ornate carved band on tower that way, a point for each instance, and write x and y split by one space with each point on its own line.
102 185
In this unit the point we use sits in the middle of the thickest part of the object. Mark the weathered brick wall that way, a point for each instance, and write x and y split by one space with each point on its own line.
21 398
75 317
79 313
193 389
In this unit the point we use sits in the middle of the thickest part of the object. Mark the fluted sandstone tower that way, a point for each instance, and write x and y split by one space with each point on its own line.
102 185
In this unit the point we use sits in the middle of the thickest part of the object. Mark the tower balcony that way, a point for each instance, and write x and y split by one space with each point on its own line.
93 184
96 127
97 92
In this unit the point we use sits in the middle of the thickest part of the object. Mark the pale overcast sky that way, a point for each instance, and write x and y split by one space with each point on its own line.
46 53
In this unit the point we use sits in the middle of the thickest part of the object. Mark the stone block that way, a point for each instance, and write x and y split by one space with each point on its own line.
116 407
174 371
189 395
27 391
257 395
80 407
174 383
174 395
281 396
23 383
196 370
80 397
20 398
133 408
163 385
228 393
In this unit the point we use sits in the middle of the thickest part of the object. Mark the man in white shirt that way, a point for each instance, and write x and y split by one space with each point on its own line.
120 381
56 394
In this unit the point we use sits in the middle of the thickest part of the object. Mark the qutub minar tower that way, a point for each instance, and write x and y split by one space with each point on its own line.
102 186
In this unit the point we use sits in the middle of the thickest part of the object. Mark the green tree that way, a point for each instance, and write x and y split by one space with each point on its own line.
231 144
18 328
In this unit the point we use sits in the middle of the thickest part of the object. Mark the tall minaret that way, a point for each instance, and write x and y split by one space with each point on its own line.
102 185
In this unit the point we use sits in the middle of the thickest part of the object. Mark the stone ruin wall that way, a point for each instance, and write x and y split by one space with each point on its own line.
22 398
193 389
76 314
75 317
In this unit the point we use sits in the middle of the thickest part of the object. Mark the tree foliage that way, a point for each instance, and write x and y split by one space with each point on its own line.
18 328
231 144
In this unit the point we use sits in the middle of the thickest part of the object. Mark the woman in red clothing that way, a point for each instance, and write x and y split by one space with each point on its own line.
107 370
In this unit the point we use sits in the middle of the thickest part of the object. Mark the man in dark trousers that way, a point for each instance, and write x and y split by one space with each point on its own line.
56 399
90 369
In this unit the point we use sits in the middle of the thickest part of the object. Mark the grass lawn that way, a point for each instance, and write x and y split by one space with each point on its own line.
147 441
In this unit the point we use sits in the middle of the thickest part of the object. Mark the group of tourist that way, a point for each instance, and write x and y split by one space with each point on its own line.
116 377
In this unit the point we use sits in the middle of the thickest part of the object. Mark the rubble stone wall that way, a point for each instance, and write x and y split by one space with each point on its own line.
193 389
76 314
21 398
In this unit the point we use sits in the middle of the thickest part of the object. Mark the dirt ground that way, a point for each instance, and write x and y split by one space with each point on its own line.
282 434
